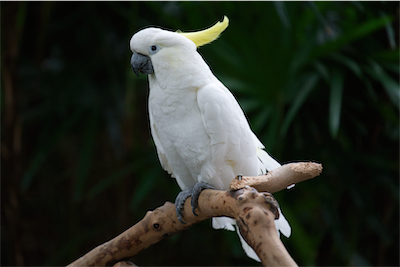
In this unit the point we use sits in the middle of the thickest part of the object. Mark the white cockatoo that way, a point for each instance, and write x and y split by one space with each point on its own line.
201 133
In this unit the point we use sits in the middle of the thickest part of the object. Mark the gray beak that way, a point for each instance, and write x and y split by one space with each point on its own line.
141 63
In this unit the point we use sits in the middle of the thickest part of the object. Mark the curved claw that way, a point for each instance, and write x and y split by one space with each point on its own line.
180 202
180 217
197 189
185 194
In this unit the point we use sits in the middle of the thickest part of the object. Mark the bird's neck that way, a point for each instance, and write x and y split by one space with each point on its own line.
178 74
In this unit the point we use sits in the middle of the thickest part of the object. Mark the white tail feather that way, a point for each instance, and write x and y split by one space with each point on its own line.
282 225
266 162
247 249
223 223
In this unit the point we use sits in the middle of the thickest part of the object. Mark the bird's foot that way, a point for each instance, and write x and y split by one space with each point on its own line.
196 193
185 194
180 201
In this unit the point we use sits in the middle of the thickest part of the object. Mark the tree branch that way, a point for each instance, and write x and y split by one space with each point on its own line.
254 212
280 178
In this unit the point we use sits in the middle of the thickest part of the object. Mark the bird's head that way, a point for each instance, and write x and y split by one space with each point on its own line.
153 47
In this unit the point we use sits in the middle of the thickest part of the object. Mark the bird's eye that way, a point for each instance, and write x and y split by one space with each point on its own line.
154 49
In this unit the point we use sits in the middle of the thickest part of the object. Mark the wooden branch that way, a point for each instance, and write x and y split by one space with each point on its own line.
254 212
280 178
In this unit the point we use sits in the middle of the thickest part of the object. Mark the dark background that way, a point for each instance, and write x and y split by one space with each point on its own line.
318 80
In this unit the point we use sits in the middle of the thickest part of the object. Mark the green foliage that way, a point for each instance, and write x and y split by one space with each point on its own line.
318 81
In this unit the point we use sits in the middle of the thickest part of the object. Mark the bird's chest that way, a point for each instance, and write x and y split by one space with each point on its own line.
177 121
174 106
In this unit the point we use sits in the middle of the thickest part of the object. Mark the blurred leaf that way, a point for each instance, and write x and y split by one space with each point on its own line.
322 70
335 103
389 32
391 86
354 34
309 84
349 63
260 118
387 55
280 7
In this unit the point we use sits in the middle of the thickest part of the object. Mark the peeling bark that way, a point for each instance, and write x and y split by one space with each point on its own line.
254 212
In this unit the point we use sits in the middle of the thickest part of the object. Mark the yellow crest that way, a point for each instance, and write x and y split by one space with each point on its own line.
208 35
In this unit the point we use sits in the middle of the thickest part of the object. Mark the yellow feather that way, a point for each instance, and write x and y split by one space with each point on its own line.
208 35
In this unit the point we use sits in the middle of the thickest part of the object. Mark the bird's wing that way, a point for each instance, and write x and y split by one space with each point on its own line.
232 142
160 150
265 161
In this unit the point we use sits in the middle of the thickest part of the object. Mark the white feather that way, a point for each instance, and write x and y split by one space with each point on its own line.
223 223
282 225
247 249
